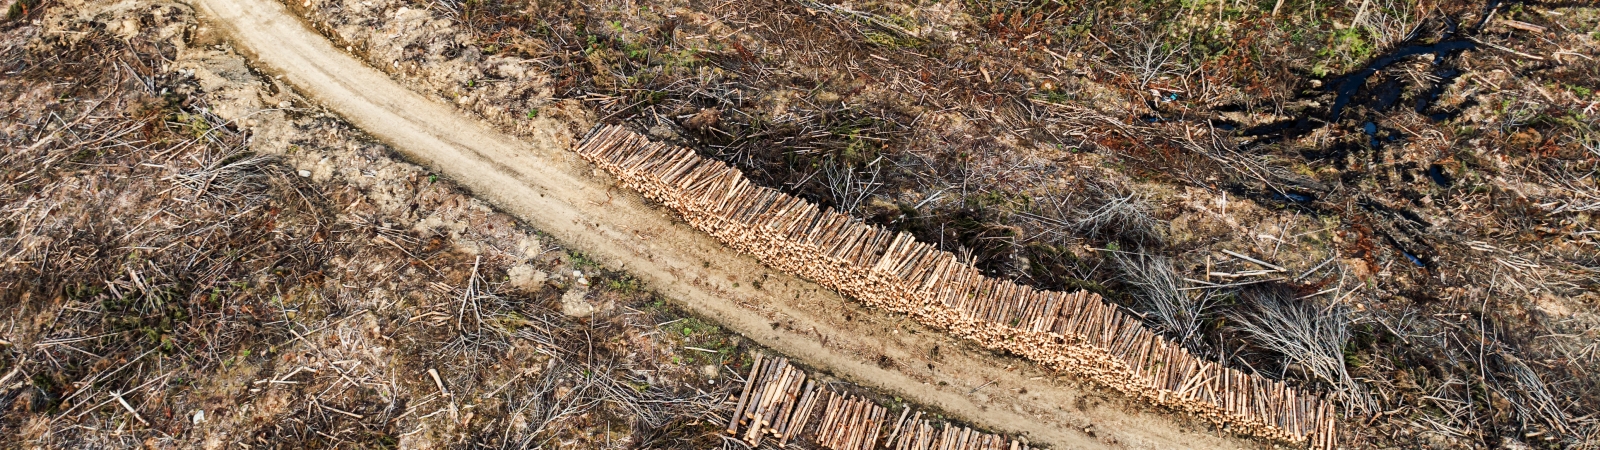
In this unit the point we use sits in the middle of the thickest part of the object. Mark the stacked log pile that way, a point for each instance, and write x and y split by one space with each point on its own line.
777 401
774 403
921 434
850 423
1075 333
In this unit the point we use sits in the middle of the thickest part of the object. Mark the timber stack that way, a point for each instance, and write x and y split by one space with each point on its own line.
1076 333
777 401
921 434
774 404
850 423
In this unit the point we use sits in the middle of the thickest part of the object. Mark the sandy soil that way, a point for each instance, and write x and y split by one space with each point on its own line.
537 180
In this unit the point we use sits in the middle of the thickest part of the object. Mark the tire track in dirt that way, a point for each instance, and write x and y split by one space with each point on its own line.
538 180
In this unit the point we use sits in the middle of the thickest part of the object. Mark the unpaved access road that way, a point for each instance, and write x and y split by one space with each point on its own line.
540 181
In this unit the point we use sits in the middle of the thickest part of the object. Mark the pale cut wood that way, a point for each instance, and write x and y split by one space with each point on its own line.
1074 332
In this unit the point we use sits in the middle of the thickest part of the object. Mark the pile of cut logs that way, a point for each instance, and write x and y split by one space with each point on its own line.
850 423
1076 333
774 403
920 434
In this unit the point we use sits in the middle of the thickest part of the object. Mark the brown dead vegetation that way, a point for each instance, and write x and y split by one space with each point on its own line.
1003 131
166 285
1459 234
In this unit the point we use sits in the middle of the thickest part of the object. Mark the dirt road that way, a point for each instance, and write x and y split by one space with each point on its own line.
541 182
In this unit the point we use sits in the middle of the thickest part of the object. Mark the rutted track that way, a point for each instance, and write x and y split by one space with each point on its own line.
541 182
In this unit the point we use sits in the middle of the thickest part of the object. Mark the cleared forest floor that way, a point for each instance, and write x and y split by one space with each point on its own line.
386 307
1418 178
1389 201
560 195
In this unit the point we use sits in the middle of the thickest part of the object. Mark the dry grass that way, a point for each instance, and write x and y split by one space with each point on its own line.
991 123
1121 216
849 188
1310 337
164 285
139 241
1164 299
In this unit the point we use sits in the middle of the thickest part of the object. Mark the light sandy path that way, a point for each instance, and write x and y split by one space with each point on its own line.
541 182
